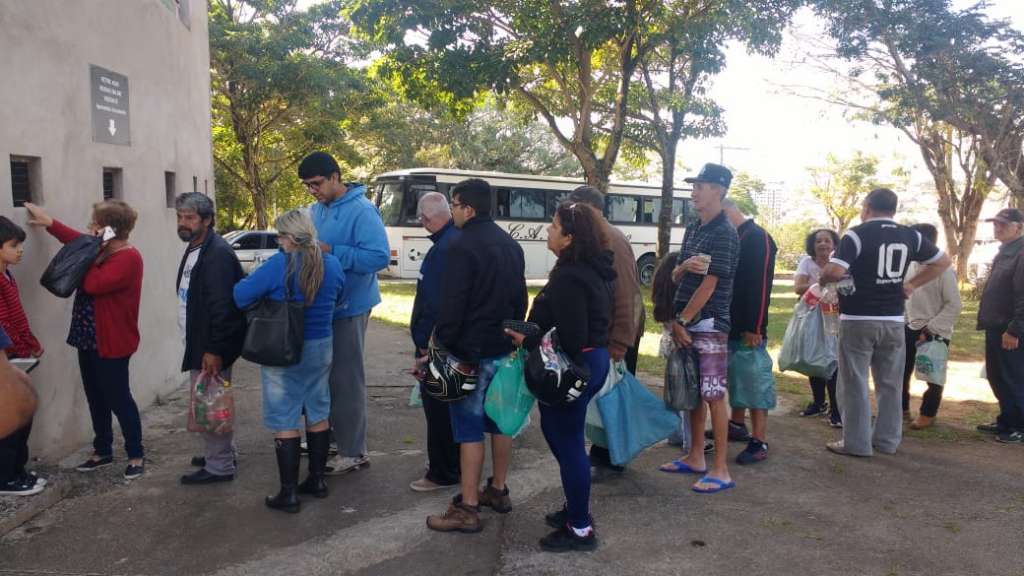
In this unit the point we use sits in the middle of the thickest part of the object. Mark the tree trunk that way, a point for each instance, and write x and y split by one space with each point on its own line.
668 160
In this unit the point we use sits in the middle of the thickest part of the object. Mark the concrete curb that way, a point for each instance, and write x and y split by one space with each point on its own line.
37 505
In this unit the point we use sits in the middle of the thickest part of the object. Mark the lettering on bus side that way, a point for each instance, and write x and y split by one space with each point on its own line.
520 231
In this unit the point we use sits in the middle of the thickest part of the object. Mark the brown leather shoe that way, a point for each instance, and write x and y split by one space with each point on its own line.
497 500
922 422
458 518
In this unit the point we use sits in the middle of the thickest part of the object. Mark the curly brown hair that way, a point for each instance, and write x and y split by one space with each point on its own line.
584 225
117 214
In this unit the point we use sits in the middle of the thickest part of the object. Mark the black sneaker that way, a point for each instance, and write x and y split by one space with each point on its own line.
991 428
815 409
95 463
134 471
709 446
19 487
33 479
756 451
565 540
835 420
1013 437
737 432
557 519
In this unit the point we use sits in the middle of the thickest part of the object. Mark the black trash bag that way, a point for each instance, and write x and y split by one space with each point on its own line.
67 269
682 380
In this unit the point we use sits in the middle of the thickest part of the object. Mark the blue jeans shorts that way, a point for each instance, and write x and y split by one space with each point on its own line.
469 421
288 390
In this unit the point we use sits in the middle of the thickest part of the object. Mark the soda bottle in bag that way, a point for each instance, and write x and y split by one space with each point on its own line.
830 309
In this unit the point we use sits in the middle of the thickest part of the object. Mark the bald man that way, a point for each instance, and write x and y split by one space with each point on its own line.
442 452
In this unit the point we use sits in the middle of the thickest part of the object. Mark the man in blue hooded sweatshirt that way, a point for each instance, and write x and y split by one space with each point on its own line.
350 227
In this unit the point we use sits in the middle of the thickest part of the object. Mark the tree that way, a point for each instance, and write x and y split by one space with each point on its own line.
686 40
745 190
840 186
571 63
280 89
943 78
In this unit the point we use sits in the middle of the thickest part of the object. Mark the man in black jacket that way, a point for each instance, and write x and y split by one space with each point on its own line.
484 284
1001 316
212 328
751 297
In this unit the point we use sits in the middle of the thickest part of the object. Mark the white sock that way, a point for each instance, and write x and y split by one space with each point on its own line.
582 532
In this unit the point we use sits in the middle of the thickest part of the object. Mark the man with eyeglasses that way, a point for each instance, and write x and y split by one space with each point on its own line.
350 227
442 451
484 284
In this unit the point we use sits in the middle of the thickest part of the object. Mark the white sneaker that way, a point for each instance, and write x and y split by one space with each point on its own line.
343 464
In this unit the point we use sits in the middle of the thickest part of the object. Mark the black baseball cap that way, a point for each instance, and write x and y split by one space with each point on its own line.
1008 215
713 174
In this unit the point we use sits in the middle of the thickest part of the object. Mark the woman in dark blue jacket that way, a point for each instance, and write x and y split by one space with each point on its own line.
290 392
577 302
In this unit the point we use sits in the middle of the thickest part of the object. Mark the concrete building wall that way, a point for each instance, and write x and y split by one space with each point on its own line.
46 49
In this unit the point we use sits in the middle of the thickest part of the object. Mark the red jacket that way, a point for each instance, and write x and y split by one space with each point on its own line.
14 321
116 288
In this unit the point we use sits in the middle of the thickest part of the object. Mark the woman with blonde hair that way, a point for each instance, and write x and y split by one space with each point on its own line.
316 280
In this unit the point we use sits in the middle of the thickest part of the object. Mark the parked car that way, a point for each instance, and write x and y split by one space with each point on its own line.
252 247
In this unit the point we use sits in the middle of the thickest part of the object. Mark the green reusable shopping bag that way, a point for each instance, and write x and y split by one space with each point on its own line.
751 382
508 402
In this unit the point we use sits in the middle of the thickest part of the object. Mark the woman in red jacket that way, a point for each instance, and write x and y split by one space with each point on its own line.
105 330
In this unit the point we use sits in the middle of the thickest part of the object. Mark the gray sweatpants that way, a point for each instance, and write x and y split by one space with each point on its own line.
878 345
219 449
348 385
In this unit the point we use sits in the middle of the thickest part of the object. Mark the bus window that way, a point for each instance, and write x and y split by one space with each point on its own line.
521 204
622 209
416 191
652 206
390 202
554 199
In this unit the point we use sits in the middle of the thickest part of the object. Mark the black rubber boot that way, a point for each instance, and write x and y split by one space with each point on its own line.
288 469
318 442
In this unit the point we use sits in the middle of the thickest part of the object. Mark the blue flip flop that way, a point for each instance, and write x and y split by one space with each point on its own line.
680 468
719 483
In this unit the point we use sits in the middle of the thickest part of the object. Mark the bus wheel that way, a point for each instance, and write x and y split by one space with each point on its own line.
645 268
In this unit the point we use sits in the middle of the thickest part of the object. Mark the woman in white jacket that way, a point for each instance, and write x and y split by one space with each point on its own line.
931 313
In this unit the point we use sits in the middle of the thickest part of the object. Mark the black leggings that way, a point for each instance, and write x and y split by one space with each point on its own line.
933 396
14 453
818 388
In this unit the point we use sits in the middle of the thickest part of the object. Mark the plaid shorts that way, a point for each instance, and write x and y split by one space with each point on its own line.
713 354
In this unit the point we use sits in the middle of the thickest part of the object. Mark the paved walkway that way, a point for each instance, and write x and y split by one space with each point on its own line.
938 507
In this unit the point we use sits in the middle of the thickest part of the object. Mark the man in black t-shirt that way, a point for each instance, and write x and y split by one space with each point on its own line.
875 255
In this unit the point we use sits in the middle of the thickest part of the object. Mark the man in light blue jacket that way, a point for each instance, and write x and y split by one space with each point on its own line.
349 227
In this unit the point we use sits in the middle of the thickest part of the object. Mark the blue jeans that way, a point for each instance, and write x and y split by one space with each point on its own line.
469 421
290 390
563 429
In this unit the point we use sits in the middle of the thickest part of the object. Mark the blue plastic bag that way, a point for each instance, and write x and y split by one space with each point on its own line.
751 382
508 402
633 419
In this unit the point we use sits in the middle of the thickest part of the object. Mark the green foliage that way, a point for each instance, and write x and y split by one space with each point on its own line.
840 186
280 89
745 190
789 237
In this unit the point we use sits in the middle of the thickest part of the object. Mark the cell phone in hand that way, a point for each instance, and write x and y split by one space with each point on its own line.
25 364
525 328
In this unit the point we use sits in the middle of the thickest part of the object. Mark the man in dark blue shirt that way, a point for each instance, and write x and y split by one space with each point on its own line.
707 265
875 256
442 451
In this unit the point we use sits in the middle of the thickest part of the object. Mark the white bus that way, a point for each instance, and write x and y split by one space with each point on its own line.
523 205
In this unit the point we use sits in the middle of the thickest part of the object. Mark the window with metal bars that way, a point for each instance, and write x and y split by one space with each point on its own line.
24 179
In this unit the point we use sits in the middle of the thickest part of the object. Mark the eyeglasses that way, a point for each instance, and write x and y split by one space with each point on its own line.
457 204
314 184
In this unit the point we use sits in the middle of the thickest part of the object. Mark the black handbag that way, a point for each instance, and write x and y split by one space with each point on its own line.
274 333
65 272
551 375
682 380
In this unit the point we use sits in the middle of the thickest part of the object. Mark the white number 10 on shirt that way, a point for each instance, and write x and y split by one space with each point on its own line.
892 261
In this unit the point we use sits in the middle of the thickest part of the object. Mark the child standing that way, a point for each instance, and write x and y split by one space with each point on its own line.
15 480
